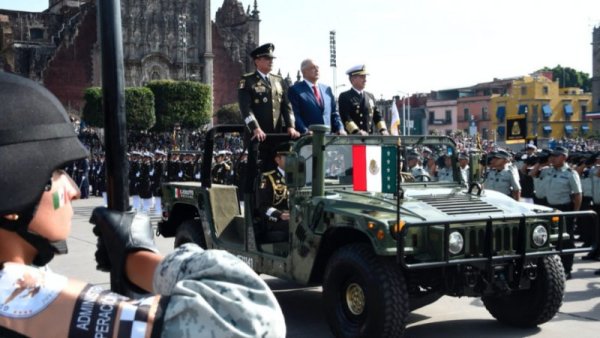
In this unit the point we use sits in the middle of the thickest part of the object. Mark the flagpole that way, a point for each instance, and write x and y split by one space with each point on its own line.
399 195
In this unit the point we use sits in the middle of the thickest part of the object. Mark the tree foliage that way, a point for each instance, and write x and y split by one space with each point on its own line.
185 102
569 77
229 114
139 108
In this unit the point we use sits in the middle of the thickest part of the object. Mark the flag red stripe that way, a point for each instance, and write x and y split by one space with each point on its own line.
359 164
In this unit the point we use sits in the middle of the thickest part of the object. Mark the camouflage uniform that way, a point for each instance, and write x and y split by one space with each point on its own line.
200 293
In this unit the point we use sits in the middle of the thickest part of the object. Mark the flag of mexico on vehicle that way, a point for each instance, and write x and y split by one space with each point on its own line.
375 168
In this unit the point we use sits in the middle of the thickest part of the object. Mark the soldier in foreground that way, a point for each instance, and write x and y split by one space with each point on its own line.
197 293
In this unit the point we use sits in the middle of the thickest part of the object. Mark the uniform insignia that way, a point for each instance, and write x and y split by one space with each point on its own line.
265 99
26 291
256 101
242 83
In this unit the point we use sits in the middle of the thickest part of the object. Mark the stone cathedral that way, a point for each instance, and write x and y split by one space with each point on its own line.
162 39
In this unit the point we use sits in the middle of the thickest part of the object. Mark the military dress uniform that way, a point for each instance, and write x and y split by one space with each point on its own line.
358 110
273 197
220 172
264 104
503 181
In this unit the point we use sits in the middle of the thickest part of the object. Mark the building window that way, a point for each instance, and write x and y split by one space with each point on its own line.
545 90
583 110
467 115
484 114
448 116
36 33
431 117
500 113
485 133
523 90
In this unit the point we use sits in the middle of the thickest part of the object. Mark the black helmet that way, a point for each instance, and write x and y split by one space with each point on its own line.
36 138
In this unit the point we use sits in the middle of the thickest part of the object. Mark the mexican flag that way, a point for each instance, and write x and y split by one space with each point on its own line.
374 168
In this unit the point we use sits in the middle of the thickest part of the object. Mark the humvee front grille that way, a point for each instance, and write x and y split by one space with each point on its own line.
458 204
505 240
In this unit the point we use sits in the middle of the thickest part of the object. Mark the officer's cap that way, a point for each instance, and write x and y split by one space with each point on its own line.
414 156
265 50
148 154
560 151
36 137
160 152
357 70
426 150
530 146
502 154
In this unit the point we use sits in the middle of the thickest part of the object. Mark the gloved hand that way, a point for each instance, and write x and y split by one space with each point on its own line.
120 233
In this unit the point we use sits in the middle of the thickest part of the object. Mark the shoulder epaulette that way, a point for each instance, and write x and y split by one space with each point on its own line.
248 74
268 173
277 76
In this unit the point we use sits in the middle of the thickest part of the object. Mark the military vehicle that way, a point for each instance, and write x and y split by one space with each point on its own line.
380 255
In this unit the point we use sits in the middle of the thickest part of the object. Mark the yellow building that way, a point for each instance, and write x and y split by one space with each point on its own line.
549 111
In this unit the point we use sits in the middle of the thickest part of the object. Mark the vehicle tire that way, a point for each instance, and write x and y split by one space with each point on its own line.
364 295
190 231
537 305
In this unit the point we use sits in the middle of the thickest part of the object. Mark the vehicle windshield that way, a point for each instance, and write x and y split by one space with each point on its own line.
434 155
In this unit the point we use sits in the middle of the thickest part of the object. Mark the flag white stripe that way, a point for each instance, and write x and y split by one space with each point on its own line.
373 168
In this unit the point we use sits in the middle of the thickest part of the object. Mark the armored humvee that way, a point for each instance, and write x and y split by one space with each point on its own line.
380 255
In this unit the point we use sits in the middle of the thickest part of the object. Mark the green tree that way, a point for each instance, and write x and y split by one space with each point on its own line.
229 114
569 77
185 102
139 108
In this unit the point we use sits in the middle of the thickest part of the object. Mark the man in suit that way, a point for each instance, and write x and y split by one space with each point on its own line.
357 106
264 104
314 103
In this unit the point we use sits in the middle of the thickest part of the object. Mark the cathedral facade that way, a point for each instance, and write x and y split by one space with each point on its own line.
162 39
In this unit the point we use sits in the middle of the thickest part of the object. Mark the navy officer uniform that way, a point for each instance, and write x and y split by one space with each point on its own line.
264 104
357 106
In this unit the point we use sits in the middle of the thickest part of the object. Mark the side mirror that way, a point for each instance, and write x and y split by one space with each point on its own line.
295 171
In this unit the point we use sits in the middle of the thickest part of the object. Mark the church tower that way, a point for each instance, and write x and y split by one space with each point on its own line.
596 70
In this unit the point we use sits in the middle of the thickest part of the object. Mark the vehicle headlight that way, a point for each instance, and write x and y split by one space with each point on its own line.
539 235
455 242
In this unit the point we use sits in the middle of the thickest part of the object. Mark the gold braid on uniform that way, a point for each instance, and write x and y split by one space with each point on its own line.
352 127
407 177
279 191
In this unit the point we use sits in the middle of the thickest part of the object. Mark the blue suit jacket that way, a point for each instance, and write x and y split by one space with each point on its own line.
307 111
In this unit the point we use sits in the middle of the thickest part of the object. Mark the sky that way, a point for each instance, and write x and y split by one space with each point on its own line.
421 45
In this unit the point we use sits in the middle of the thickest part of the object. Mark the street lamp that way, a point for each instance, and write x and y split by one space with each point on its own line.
333 59
183 42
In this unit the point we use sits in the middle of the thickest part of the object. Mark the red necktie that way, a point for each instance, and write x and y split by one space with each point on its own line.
316 91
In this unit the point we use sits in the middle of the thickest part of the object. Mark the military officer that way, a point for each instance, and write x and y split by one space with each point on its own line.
565 195
159 175
446 174
415 167
273 194
538 173
357 106
501 177
220 171
264 104
134 179
145 182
